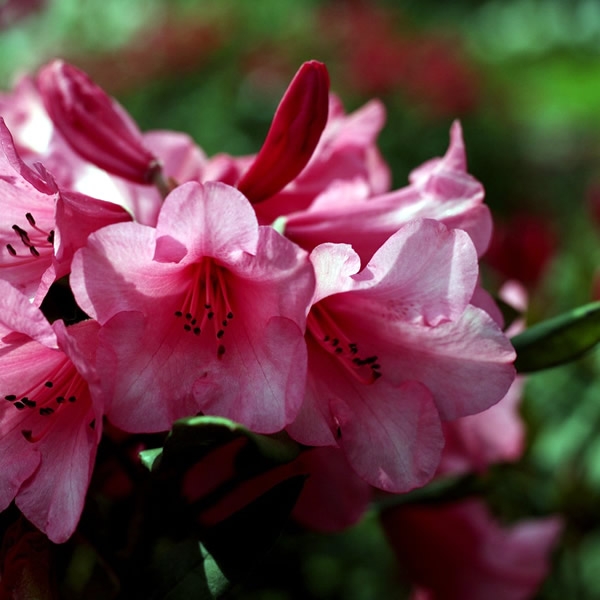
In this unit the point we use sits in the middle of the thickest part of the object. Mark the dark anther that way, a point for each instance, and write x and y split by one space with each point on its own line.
72 398
10 397
220 334
11 250
48 384
196 330
210 315
60 399
220 351
187 327
178 313
50 238
230 315
28 402
19 405
33 251
20 232
27 434
30 219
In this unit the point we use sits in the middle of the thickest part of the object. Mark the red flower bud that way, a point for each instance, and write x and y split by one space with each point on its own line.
94 124
295 131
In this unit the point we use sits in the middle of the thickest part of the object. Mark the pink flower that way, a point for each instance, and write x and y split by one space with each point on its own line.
440 189
460 552
394 348
41 227
219 303
94 124
50 423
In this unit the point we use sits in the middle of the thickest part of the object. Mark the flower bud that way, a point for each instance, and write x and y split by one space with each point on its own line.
295 131
94 124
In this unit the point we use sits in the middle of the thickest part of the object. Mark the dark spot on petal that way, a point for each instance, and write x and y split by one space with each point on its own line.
178 313
48 384
19 405
10 397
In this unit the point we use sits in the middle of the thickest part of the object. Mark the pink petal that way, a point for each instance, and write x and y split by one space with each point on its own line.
199 220
423 273
467 363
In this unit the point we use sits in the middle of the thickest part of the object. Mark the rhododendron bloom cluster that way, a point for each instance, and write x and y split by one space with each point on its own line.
291 291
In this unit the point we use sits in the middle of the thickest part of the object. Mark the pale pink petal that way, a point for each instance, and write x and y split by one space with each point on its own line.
199 220
423 273
467 363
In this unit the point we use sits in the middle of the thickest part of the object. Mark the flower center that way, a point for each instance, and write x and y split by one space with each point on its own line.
44 400
206 308
329 335
32 240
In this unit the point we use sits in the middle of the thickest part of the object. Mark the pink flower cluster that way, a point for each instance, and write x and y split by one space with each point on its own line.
291 290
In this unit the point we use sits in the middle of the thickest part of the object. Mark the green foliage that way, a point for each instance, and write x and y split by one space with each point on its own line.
558 340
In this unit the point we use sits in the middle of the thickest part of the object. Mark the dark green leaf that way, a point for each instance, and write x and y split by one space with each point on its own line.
193 438
558 340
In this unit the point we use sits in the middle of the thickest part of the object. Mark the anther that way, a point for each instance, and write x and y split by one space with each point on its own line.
30 219
50 238
33 251
11 250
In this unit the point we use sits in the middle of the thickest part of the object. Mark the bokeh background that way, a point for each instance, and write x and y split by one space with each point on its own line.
523 76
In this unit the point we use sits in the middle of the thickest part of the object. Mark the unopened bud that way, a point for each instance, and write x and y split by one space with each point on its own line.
94 124
295 131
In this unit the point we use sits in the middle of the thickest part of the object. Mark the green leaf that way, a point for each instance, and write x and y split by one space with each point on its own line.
183 570
558 340
193 438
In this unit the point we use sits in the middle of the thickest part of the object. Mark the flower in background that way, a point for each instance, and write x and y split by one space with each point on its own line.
380 58
459 551
522 248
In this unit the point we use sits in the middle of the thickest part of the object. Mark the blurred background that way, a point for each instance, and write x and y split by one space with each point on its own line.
523 76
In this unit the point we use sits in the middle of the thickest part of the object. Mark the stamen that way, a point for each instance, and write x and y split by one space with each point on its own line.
328 334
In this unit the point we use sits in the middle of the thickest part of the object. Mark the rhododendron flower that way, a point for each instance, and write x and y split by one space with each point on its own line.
41 226
94 124
393 348
219 303
440 189
50 423
460 552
